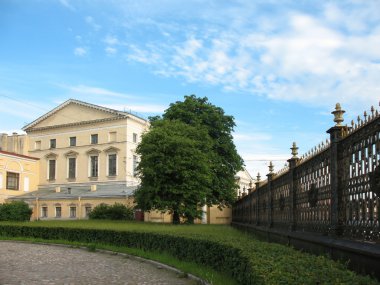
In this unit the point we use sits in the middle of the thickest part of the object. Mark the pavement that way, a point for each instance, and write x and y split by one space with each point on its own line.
32 264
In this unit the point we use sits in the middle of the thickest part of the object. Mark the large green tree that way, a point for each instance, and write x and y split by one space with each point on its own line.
174 169
224 161
188 159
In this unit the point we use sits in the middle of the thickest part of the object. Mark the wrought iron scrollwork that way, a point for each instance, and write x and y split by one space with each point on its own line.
375 181
281 202
312 195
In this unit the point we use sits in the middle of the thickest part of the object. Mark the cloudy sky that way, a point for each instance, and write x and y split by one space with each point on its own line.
278 67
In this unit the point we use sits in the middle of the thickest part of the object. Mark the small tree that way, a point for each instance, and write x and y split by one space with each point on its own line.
15 211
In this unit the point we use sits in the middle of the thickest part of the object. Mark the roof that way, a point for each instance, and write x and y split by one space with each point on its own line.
74 101
84 192
18 155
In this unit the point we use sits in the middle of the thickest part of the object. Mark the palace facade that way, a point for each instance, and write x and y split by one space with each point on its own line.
76 157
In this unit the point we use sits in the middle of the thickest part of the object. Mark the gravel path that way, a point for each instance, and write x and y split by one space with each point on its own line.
29 264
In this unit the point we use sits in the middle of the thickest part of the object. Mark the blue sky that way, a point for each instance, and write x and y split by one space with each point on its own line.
278 67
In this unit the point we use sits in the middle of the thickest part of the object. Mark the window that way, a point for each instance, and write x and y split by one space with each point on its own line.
134 137
94 166
87 210
112 136
94 139
135 163
52 169
37 145
44 212
53 143
73 141
13 181
112 164
72 167
58 211
73 212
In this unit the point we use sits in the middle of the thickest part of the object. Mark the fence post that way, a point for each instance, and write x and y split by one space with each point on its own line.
257 199
336 134
270 198
292 187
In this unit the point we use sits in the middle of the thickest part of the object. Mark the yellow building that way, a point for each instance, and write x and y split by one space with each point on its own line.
15 143
211 215
18 174
87 156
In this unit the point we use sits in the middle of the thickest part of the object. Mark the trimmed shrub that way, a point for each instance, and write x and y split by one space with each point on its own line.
115 212
15 211
246 260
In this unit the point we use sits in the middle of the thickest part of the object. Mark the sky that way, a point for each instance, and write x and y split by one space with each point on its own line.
277 67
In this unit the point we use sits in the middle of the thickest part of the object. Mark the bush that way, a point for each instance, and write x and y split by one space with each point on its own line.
15 211
115 212
246 260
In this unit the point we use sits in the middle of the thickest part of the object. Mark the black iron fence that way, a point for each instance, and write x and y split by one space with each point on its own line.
334 189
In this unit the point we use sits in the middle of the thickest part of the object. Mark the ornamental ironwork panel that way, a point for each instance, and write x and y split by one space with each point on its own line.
360 157
263 205
281 201
313 193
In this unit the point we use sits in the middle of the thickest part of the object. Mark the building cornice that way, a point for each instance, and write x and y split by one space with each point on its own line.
119 114
74 124
12 154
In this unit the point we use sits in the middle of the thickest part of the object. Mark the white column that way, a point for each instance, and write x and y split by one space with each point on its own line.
204 214
26 184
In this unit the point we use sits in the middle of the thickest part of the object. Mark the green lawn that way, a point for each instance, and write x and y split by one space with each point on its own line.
260 262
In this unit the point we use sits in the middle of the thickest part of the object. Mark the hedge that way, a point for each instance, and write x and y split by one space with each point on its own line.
246 260
218 256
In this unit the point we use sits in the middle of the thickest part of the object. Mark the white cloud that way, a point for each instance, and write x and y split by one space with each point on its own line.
111 40
67 4
80 51
110 50
319 57
143 56
90 21
97 91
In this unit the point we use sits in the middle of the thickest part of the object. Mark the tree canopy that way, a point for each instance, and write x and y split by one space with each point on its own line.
188 159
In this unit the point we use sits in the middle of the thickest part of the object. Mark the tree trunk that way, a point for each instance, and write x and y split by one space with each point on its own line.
189 219
176 220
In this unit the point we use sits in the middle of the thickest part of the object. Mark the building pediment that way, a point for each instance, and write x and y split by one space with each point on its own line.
112 149
71 153
74 112
51 155
93 151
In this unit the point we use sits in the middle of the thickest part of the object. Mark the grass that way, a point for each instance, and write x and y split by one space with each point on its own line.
271 263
